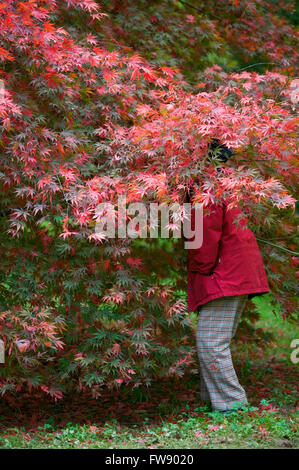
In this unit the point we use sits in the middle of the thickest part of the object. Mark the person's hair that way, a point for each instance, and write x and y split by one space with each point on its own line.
217 152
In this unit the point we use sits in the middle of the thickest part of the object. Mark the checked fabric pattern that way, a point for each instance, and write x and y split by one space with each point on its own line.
217 325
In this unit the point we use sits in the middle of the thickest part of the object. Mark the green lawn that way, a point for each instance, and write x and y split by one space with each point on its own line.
171 415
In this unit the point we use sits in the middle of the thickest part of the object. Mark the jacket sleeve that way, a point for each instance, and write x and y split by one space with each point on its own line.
204 259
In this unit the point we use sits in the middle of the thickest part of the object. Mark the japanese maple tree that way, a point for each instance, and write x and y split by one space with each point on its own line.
87 114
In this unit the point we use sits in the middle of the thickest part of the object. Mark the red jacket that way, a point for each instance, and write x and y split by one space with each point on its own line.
228 262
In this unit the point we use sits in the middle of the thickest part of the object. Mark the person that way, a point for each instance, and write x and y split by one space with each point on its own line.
223 274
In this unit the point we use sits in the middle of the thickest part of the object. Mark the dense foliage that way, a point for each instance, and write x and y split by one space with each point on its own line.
124 98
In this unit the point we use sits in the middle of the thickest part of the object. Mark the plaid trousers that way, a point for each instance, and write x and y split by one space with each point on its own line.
217 325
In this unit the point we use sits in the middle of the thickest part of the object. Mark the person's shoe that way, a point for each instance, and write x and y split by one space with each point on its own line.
228 412
233 410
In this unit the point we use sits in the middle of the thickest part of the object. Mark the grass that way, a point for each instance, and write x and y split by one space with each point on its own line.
171 415
262 426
